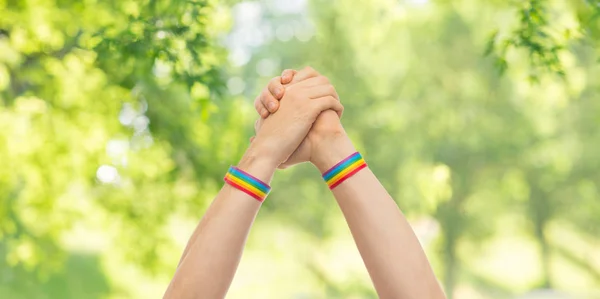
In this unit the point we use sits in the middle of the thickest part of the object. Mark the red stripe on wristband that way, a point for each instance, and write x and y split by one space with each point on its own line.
344 170
247 183
347 176
243 189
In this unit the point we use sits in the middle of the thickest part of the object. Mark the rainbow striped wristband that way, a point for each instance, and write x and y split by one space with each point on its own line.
246 183
344 170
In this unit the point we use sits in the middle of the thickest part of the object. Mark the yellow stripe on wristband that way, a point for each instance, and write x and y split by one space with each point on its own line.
343 170
247 183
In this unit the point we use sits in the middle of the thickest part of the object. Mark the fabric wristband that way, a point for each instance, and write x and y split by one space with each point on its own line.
246 183
344 170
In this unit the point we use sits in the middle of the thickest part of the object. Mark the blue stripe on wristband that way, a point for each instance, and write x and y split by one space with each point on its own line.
333 171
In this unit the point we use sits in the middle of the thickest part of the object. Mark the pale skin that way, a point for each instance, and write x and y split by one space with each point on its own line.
212 254
303 126
388 246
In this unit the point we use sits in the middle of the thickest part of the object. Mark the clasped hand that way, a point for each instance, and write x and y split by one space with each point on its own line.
299 113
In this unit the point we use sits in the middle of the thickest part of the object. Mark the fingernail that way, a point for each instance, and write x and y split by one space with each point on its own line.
285 77
271 106
278 92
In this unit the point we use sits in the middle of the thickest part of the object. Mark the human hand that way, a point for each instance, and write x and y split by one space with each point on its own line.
325 127
280 134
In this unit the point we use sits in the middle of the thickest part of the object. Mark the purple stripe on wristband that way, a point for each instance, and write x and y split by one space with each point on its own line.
339 163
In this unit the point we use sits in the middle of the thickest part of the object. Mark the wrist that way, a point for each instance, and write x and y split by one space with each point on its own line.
331 149
259 165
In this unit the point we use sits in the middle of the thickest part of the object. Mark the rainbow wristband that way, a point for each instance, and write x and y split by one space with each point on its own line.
247 183
344 170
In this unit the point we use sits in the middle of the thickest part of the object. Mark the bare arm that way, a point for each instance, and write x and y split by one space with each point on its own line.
389 248
213 253
391 251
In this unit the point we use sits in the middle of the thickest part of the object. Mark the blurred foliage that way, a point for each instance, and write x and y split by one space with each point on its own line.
539 33
130 85
117 127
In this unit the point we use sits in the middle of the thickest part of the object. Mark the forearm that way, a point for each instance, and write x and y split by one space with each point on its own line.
389 248
213 253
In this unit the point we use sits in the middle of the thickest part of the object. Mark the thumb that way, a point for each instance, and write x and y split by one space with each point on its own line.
328 102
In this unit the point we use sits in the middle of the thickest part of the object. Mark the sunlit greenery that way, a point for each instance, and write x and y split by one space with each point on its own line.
118 120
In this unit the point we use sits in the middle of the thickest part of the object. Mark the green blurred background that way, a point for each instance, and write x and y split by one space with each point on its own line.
118 119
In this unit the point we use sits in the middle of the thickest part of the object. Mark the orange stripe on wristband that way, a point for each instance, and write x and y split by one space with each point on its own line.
349 175
247 183
344 170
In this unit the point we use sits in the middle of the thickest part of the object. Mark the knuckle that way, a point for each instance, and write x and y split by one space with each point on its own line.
331 89
310 70
315 107
273 83
323 80
276 80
